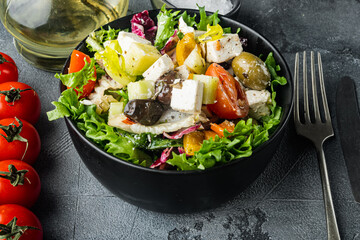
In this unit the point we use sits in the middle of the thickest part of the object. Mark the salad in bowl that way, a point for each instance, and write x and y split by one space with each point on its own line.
181 94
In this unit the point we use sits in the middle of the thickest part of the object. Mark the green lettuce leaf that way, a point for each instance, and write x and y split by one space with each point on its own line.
190 21
95 41
273 68
79 79
212 19
166 26
68 105
148 141
220 150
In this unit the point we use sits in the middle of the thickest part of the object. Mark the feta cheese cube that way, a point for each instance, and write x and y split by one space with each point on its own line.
184 28
163 65
125 39
188 98
223 49
259 103
182 72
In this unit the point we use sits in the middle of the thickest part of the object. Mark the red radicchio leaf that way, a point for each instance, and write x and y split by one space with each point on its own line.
181 150
171 43
181 133
163 158
143 25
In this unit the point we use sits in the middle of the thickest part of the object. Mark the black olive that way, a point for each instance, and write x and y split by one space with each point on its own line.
168 77
144 111
164 92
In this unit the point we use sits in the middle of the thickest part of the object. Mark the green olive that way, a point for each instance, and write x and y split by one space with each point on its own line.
251 71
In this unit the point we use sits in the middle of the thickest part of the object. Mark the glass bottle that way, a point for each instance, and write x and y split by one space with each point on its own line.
46 31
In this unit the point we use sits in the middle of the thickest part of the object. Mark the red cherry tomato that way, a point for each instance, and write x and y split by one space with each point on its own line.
231 101
8 69
19 100
24 217
76 64
18 142
18 185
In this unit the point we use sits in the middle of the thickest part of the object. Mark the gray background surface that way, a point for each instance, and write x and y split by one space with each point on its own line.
285 202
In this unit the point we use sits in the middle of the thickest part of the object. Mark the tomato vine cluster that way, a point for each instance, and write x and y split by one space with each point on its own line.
19 148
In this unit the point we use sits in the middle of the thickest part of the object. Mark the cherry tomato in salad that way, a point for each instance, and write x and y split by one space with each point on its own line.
8 69
19 100
19 183
231 101
76 64
28 226
18 140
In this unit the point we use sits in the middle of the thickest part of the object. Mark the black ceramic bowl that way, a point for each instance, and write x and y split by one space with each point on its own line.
187 191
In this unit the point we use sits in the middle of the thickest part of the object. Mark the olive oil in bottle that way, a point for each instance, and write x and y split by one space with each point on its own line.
46 31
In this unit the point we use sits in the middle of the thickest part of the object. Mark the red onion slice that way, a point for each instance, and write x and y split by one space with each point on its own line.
181 133
163 158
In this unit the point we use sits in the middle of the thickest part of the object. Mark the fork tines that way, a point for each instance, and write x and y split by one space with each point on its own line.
316 116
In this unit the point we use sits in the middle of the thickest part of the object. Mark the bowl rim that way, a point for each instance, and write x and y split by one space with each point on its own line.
286 115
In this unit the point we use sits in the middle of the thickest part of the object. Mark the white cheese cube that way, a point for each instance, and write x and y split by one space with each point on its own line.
259 103
223 49
182 72
184 28
188 98
125 39
163 65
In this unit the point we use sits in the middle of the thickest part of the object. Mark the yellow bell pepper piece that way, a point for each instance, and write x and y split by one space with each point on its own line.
184 47
214 32
193 142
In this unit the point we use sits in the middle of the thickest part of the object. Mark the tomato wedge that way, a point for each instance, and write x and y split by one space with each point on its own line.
76 64
231 101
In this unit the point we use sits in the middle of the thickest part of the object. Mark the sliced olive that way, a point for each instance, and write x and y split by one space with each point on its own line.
144 111
251 71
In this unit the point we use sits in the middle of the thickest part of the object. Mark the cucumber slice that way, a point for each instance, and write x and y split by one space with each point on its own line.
210 86
116 108
141 90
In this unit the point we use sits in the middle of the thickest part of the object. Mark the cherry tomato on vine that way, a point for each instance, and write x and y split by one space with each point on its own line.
27 225
76 64
19 100
18 140
231 101
19 183
8 69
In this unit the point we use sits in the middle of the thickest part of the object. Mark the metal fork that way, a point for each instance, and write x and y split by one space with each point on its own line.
317 131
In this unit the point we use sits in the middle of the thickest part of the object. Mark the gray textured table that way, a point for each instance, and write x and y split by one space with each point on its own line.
285 202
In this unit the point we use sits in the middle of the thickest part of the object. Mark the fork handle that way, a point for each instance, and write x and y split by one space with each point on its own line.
331 224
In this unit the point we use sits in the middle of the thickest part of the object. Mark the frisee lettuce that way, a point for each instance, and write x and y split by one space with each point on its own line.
190 21
166 26
205 20
95 41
